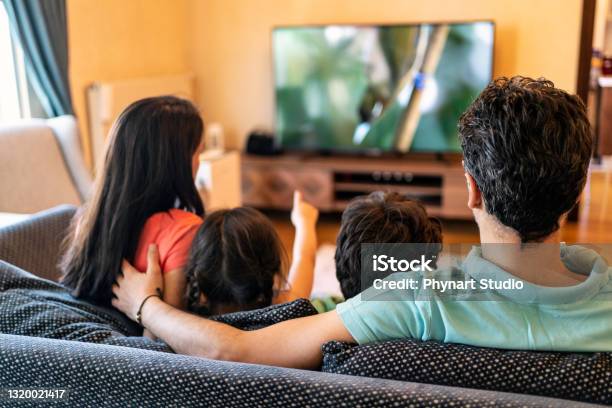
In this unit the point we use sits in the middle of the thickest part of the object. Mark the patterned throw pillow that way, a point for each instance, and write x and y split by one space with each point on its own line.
35 307
581 377
259 318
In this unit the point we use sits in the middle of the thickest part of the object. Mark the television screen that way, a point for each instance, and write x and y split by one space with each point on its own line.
397 88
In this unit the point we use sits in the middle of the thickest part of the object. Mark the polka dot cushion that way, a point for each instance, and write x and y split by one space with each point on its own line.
256 319
31 306
581 377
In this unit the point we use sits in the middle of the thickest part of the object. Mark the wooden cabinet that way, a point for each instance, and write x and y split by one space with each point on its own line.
218 180
268 184
330 183
604 117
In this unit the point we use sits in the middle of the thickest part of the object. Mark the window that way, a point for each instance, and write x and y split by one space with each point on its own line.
14 97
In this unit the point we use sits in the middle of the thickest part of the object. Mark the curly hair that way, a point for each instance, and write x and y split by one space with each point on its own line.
236 259
528 146
378 218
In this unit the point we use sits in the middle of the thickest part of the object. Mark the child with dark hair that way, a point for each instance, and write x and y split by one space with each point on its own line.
237 261
378 218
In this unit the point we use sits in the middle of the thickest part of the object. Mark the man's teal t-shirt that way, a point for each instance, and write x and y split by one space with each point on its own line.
575 318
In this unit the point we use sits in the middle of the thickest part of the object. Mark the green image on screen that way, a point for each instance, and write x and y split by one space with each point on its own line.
378 88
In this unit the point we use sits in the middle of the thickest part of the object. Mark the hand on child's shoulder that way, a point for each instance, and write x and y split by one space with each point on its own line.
303 214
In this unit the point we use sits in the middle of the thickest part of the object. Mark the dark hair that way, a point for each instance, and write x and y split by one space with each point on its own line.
235 260
147 169
380 217
527 145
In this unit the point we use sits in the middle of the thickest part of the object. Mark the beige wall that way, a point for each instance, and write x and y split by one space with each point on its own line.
599 25
118 39
226 43
230 44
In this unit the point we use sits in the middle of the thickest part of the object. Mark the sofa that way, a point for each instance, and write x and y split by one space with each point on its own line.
117 373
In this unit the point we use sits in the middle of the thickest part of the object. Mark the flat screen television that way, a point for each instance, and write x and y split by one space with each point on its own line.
376 89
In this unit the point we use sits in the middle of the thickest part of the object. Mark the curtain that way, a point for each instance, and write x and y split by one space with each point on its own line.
39 26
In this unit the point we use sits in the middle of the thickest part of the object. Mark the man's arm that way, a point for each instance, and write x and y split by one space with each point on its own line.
293 343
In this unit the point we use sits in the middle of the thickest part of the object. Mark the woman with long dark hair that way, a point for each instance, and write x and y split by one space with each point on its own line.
145 194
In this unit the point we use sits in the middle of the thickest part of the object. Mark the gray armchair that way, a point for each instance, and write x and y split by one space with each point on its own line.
41 165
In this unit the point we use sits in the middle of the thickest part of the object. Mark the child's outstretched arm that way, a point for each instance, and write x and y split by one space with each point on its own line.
304 218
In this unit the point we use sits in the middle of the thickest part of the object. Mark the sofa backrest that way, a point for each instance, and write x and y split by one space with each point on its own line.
33 166
66 131
97 375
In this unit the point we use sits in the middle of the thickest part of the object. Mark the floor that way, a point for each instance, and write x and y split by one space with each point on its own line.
594 225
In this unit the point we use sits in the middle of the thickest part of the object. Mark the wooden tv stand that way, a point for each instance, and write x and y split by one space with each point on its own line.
330 182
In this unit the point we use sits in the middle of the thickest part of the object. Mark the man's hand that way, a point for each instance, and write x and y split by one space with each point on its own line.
303 214
133 287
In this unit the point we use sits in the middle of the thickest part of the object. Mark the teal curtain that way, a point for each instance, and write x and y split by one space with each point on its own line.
39 26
